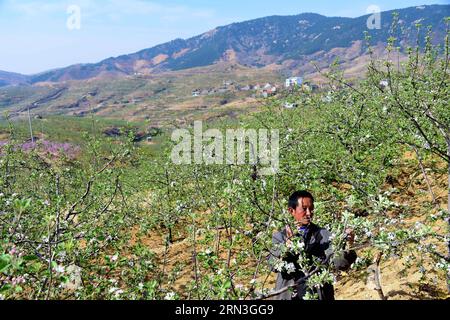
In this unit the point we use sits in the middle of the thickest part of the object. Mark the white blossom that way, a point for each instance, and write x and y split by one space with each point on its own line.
170 296
296 246
418 225
116 292
290 268
59 269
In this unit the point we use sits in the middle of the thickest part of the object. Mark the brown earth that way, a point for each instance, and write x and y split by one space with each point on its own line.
397 282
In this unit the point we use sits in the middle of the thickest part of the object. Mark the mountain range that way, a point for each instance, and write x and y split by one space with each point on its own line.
290 42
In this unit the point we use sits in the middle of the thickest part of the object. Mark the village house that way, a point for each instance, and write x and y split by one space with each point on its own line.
269 90
293 81
228 83
222 90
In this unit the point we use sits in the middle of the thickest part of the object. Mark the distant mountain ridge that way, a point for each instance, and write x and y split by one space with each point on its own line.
285 40
10 78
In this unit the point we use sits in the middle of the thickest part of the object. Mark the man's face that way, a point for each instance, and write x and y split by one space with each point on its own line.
303 214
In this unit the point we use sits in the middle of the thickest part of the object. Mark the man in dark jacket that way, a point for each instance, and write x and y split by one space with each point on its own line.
316 243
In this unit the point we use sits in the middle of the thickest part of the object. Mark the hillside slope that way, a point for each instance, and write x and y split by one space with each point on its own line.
10 78
288 40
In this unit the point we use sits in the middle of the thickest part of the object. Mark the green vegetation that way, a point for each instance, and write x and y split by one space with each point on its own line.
77 228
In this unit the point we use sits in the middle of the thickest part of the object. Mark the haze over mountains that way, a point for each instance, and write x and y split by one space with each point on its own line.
290 42
10 78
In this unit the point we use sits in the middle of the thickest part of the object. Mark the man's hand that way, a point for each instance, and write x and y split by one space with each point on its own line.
289 235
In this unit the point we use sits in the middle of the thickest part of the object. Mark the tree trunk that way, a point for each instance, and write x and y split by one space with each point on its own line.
419 159
194 257
379 288
448 208
29 123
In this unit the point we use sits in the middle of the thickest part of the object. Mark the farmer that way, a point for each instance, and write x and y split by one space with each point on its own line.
317 243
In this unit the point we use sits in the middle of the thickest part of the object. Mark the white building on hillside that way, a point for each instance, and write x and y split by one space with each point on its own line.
294 81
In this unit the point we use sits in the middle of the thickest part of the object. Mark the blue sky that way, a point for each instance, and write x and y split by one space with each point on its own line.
34 36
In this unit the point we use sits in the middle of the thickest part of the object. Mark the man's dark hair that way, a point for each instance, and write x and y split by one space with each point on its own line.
293 199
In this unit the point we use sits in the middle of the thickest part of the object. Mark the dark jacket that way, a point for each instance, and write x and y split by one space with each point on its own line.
318 244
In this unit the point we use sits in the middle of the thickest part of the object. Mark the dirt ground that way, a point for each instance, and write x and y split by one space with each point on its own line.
354 285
